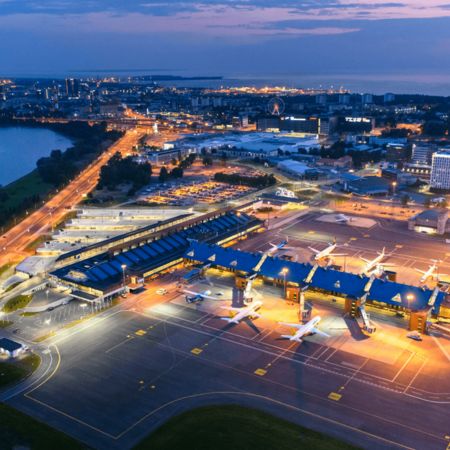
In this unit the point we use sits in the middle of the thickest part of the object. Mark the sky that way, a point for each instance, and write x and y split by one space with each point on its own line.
376 39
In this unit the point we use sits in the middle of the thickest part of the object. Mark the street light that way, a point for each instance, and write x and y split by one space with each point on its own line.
238 214
284 272
409 297
124 267
394 185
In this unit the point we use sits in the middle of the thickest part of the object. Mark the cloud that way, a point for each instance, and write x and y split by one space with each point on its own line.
343 9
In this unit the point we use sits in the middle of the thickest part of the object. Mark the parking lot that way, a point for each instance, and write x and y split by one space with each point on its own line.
204 192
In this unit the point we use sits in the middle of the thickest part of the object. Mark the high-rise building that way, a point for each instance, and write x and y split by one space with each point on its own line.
389 97
367 99
72 87
345 99
440 170
422 153
321 99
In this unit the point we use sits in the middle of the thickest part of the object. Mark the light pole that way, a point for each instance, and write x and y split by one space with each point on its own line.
284 272
409 297
124 267
238 214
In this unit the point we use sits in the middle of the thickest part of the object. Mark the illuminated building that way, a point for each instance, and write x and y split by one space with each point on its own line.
440 171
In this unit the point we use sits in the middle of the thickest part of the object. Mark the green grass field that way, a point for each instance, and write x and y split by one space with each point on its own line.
237 428
18 430
15 303
5 268
24 187
11 372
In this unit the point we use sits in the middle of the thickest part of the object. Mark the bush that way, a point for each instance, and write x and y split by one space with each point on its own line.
16 303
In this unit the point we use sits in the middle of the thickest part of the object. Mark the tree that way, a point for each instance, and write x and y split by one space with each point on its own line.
207 161
163 175
120 170
176 172
223 158
405 200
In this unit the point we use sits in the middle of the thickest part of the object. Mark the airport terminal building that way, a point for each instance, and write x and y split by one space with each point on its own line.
357 290
105 270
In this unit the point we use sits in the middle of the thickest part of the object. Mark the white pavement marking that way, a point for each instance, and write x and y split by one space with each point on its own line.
444 351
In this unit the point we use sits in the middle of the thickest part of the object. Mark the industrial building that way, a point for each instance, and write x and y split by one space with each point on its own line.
368 186
430 221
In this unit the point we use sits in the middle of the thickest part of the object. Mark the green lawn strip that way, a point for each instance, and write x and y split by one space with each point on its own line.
18 430
5 323
38 242
15 370
24 187
238 428
5 268
16 303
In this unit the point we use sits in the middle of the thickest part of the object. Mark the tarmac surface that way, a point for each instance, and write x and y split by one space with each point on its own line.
405 249
113 379
119 377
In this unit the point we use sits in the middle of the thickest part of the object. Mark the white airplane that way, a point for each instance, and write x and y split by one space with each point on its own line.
275 247
303 330
431 272
242 313
375 265
198 296
342 218
326 252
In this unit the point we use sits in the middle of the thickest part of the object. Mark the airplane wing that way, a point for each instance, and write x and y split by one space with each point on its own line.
314 250
337 254
191 292
210 297
317 331
231 308
367 261
420 271
254 314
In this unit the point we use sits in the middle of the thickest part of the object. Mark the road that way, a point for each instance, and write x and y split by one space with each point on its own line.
15 241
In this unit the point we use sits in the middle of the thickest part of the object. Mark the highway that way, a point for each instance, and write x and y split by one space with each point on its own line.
15 241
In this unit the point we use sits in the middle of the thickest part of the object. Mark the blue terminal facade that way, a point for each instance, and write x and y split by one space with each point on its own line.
104 274
322 279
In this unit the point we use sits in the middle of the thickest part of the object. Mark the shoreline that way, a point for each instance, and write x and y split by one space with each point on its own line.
67 145
24 195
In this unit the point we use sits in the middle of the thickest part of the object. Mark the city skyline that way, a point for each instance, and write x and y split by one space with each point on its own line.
404 41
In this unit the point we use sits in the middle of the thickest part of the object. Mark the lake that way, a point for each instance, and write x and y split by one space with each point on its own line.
21 147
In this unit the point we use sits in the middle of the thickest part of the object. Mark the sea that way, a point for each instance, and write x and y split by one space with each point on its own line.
21 147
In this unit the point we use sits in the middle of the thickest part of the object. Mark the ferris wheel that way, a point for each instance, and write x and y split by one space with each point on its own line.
275 107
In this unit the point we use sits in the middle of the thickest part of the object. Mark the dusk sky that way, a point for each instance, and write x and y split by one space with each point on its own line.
226 37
